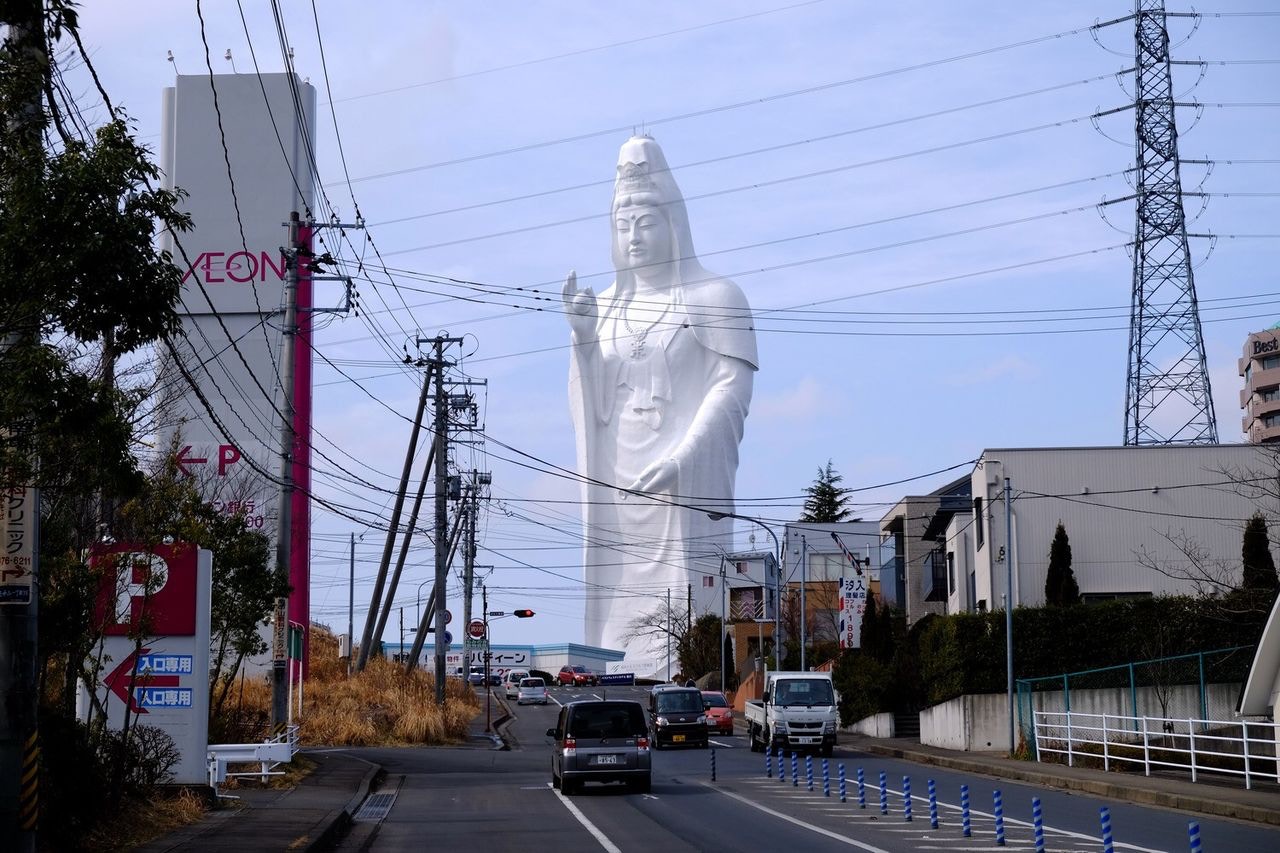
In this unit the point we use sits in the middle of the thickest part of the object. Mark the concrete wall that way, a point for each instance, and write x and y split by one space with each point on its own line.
975 723
877 725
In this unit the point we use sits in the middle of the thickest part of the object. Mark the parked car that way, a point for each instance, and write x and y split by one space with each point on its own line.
719 714
511 681
600 741
531 691
678 717
576 676
475 676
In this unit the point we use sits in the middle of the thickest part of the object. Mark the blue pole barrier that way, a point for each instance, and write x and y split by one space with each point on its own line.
1108 843
862 789
999 811
884 793
843 790
713 764
1037 823
906 798
826 778
795 771
768 763
782 767
1193 834
933 805
808 771
966 828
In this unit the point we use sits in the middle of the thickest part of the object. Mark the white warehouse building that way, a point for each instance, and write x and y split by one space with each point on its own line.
1151 520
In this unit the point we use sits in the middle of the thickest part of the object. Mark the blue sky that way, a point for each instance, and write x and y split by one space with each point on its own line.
838 157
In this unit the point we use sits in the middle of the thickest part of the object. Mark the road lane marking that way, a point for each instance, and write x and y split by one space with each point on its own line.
789 819
724 745
554 699
590 827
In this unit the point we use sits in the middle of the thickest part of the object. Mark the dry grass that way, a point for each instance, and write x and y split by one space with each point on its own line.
379 706
145 821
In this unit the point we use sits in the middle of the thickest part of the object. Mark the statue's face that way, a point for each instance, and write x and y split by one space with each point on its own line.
642 235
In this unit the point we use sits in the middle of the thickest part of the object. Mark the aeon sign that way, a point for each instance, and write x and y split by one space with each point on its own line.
236 267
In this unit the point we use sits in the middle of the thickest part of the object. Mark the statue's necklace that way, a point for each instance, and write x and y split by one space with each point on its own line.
638 336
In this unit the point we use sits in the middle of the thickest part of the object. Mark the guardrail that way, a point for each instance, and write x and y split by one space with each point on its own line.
268 754
1231 747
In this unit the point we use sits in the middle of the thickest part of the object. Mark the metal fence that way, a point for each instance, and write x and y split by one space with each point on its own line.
1197 686
1236 748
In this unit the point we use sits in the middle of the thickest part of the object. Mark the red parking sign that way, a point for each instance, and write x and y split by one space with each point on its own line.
147 588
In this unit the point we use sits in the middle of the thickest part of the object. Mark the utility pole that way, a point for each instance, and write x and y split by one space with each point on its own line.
402 631
351 603
1008 605
804 582
724 623
284 531
409 529
441 428
668 633
469 548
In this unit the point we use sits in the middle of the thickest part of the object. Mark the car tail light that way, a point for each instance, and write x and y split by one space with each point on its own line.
570 745
642 743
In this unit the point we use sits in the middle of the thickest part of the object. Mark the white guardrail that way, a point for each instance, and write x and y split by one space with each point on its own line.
268 755
1233 747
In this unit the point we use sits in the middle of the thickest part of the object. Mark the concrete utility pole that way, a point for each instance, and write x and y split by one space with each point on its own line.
804 582
1008 605
441 427
284 531
404 549
351 603
468 509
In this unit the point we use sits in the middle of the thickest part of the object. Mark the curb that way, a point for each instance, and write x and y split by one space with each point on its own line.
501 739
1096 787
339 820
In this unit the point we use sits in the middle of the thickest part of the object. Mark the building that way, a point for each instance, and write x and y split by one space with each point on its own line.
914 533
1146 520
1260 397
548 658
813 563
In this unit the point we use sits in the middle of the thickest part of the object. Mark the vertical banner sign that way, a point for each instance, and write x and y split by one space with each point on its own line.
853 603
153 611
18 548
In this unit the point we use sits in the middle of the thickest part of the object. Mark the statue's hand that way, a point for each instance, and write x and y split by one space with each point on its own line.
580 306
660 477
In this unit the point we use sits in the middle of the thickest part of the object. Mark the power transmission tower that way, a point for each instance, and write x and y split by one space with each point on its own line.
1167 395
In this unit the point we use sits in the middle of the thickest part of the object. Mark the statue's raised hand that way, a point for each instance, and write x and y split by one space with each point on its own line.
579 306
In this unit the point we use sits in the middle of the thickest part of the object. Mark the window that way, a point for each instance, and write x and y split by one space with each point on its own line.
951 573
1271 420
1269 362
978 521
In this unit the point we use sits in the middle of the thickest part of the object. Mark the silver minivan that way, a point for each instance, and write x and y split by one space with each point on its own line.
601 741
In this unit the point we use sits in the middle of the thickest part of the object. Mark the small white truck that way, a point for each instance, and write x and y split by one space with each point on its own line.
798 711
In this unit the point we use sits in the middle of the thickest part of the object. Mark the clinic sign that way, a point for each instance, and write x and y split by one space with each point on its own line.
18 513
152 610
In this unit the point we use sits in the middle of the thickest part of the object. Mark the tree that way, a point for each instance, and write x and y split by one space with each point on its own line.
1060 587
826 499
1259 566
699 649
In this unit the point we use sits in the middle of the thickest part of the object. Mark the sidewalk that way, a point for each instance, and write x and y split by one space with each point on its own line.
1215 795
304 818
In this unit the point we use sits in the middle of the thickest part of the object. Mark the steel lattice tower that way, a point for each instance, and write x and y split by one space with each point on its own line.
1167 396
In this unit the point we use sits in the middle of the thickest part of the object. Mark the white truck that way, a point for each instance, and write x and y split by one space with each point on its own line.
798 711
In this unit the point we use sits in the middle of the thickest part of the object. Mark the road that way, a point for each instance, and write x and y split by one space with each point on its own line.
456 799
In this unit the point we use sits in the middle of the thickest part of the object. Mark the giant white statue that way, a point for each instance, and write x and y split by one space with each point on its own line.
660 378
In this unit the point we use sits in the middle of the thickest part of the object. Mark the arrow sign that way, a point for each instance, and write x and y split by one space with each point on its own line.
184 460
118 681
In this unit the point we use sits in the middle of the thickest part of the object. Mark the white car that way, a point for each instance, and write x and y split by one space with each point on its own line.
511 682
532 691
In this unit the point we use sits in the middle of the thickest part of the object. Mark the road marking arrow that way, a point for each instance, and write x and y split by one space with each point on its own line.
118 681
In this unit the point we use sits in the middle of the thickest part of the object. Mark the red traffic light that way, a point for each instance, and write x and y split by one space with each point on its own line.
522 614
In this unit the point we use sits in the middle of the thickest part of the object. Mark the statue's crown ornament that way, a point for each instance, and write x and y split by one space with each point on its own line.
634 177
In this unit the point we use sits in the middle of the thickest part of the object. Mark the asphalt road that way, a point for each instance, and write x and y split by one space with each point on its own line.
456 799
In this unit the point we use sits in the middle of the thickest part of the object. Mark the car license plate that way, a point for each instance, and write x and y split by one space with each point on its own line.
608 759
677 738
809 740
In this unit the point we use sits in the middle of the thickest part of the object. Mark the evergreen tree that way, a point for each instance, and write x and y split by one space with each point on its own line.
826 499
1259 566
1060 587
870 623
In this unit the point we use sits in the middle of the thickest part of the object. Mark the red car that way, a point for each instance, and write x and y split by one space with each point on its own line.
719 714
576 676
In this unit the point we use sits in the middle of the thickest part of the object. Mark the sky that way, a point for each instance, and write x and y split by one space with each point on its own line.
909 194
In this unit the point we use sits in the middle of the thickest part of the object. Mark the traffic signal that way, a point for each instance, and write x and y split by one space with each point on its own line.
522 614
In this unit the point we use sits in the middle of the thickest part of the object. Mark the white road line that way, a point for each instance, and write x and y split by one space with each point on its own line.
590 827
724 745
819 830
554 699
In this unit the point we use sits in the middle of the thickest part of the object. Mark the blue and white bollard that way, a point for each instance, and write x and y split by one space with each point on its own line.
843 790
1108 843
862 789
713 764
782 767
966 828
1037 823
768 763
795 771
826 778
884 793
933 805
906 798
999 812
1193 834
808 771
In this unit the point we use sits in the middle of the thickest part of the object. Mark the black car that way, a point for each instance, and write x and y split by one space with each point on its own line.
678 717
600 741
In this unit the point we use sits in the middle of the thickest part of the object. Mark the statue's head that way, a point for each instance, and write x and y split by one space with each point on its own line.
645 194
